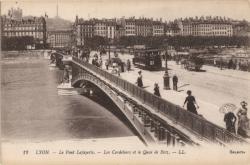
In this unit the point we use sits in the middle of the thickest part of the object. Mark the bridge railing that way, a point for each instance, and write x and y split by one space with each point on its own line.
190 121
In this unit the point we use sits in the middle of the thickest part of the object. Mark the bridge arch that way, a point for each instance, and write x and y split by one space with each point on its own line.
156 120
151 128
118 101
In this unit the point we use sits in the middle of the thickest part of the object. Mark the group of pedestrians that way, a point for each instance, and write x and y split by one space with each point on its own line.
97 61
115 69
238 123
190 100
156 87
242 128
128 65
235 64
140 84
118 67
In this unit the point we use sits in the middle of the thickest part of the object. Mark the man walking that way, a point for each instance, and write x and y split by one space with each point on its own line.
107 64
175 82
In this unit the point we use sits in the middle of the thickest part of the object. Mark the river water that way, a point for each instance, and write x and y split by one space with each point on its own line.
32 110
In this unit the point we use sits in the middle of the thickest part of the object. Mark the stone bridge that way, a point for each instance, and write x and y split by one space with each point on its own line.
156 120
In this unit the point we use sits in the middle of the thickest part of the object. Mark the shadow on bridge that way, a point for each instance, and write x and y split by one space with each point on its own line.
100 97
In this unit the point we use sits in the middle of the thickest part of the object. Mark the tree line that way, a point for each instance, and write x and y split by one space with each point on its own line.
175 41
16 43
21 43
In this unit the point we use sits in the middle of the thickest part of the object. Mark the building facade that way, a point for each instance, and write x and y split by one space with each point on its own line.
119 31
60 39
35 27
158 28
130 27
100 28
201 27
116 28
241 29
83 29
111 30
143 27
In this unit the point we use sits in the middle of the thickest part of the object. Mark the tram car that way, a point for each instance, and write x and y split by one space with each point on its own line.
148 59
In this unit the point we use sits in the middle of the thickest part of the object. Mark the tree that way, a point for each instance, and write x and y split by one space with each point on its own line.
16 43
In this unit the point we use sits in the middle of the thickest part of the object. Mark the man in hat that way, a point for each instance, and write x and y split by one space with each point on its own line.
175 82
107 64
128 65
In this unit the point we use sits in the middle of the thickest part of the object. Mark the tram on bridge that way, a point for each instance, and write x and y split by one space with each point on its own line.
148 59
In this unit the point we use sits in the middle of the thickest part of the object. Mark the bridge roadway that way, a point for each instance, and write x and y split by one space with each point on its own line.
212 88
155 119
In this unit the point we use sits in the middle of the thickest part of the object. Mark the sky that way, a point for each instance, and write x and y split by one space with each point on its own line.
165 9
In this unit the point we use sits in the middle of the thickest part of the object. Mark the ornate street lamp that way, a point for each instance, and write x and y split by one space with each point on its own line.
166 75
109 49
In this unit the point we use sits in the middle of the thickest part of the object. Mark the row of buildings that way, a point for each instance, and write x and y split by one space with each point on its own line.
14 24
35 27
206 27
60 38
115 28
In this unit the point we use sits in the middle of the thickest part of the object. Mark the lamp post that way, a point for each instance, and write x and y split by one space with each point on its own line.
109 50
110 42
221 63
166 75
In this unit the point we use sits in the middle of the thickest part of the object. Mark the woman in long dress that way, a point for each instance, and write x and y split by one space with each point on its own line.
243 121
190 100
139 80
156 90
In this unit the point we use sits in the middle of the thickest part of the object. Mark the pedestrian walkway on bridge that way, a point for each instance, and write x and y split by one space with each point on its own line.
160 109
212 88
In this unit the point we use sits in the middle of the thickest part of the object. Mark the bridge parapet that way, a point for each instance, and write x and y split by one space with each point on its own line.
193 123
149 126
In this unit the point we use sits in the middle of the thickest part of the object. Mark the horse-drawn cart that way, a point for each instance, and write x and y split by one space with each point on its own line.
193 63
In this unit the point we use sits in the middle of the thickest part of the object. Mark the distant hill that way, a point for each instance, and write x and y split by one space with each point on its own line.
58 23
55 23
